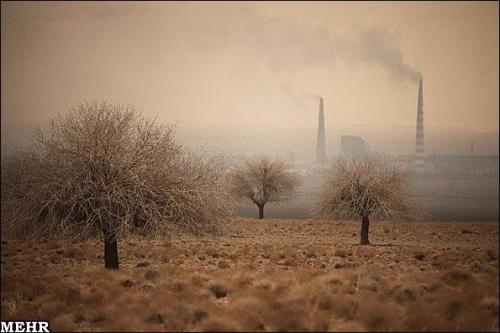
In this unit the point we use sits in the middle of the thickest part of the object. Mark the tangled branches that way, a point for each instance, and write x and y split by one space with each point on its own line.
103 168
262 180
364 187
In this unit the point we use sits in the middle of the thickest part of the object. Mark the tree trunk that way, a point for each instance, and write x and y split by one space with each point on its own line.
365 224
261 212
110 252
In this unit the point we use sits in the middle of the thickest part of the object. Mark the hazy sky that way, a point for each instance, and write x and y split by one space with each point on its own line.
244 75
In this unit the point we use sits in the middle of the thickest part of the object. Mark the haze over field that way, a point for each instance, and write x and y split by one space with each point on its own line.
363 135
242 77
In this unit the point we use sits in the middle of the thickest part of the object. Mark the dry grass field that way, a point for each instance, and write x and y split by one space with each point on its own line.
270 275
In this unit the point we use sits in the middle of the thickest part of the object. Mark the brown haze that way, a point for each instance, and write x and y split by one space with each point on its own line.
244 79
242 76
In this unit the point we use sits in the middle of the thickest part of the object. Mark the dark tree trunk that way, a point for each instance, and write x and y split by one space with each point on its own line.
110 252
365 224
261 212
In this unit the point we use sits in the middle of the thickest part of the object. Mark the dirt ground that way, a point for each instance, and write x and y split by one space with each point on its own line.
270 275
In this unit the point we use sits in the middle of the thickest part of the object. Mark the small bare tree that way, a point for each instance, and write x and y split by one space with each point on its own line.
104 170
263 180
365 188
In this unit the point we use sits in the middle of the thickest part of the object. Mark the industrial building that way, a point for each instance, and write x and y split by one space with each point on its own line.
352 146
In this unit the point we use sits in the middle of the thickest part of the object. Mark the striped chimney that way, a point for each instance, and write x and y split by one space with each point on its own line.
320 142
419 142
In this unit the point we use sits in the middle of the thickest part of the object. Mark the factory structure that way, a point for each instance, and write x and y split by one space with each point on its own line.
445 187
418 164
419 139
320 141
353 146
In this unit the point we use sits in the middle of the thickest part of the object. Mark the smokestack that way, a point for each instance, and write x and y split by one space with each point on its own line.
320 143
419 142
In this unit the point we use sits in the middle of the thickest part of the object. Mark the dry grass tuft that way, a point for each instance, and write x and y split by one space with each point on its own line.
218 290
456 276
217 325
381 316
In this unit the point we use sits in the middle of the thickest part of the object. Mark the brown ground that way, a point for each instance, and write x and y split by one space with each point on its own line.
265 275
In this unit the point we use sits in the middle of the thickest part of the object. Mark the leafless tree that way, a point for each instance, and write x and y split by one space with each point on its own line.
102 169
262 180
366 188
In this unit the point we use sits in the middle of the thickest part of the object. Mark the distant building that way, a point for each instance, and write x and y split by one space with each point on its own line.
352 146
448 165
464 164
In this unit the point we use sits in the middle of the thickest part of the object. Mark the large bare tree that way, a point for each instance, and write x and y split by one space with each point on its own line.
366 188
262 180
103 170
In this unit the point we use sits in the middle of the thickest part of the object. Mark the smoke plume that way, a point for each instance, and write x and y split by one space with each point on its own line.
285 43
379 46
292 46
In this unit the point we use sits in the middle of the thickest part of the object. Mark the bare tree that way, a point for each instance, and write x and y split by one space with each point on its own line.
104 170
365 188
263 180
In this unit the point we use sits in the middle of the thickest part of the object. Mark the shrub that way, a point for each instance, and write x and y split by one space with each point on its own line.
102 169
262 180
365 188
